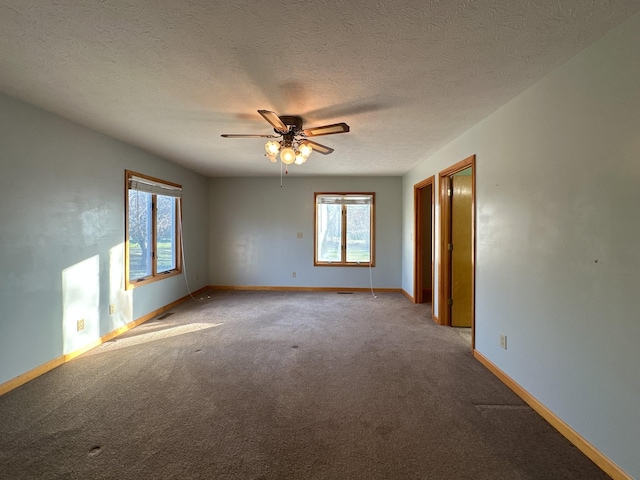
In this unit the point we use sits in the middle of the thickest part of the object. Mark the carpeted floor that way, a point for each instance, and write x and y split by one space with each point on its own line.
281 385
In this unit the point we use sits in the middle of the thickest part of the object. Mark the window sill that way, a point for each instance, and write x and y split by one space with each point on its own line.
148 280
336 264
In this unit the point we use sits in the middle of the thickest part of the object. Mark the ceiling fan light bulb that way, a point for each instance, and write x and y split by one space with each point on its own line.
305 150
272 147
300 159
287 155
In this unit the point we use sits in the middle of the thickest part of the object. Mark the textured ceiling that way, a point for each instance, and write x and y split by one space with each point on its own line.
171 76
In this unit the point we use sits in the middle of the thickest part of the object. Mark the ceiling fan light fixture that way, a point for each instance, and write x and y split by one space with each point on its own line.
272 157
305 150
300 159
272 147
287 155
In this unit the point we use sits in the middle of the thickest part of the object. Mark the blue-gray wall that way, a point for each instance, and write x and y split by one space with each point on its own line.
254 225
62 236
558 235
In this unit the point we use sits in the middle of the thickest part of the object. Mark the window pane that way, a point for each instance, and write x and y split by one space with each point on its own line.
358 233
139 235
329 233
166 233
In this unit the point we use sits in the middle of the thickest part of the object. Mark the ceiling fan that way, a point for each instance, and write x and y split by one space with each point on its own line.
294 145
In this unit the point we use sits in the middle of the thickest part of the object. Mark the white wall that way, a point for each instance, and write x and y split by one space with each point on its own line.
62 236
254 224
558 257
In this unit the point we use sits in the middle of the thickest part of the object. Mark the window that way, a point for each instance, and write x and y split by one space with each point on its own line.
152 243
344 229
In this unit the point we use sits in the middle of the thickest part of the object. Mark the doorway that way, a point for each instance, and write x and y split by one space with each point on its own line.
423 202
457 260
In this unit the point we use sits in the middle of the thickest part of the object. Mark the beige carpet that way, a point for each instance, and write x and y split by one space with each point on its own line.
277 385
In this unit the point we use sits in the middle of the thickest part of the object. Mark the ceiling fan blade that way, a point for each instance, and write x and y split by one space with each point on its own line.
326 130
275 121
242 135
324 150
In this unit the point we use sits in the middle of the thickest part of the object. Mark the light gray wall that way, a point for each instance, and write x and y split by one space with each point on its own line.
254 224
62 236
558 263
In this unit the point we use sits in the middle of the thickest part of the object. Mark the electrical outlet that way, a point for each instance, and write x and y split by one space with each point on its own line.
112 309
503 341
293 275
299 235
80 325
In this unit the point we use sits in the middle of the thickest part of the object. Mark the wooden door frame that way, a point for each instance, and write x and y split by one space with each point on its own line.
417 236
444 284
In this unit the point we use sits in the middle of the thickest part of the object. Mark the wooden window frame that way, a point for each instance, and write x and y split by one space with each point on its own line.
343 262
155 275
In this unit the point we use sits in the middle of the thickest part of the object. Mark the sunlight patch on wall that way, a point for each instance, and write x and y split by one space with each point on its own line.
81 304
120 300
